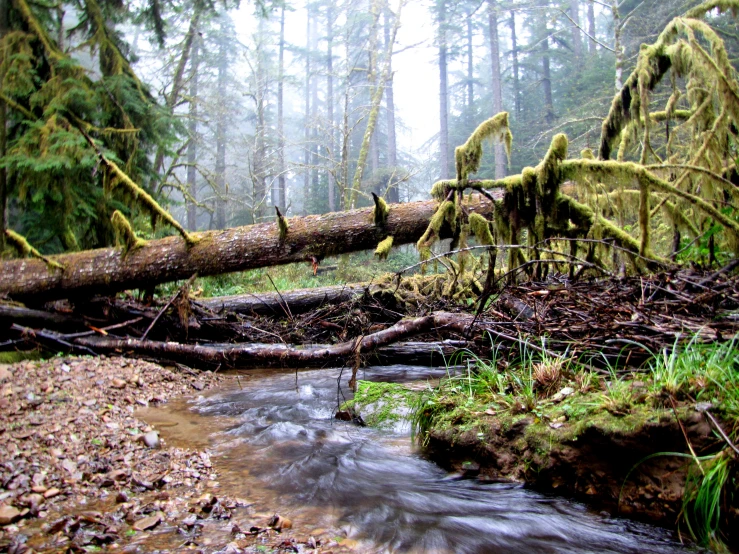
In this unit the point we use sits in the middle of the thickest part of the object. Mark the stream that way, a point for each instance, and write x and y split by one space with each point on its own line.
274 440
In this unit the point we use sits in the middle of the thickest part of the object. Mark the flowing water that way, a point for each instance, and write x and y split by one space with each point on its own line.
274 441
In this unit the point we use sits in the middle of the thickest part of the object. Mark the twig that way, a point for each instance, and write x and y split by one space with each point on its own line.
102 330
721 431
167 305
286 308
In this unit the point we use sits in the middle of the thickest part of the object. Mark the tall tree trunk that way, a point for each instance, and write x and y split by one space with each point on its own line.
259 175
591 27
499 150
4 8
514 54
576 33
108 270
192 145
443 95
546 74
393 194
375 101
330 103
617 46
220 169
178 81
280 199
307 121
470 66
315 173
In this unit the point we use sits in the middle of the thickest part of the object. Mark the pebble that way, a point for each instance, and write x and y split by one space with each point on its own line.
151 439
8 514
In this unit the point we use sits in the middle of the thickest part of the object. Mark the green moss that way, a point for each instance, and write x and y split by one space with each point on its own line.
125 233
24 248
380 211
481 229
13 356
381 404
282 224
469 155
383 248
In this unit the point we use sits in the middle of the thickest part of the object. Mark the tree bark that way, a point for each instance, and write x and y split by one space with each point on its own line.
514 54
307 121
546 74
330 102
108 270
4 7
443 96
293 302
280 198
220 168
393 194
192 145
281 355
591 26
576 38
499 149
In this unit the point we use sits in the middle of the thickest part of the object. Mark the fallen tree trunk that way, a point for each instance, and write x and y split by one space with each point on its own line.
280 303
108 270
277 355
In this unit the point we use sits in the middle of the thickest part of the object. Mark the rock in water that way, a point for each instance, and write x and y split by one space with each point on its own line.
151 439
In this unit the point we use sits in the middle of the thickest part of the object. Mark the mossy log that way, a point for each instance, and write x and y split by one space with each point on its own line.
281 355
108 270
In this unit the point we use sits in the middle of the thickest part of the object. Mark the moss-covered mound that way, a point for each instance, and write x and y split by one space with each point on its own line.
655 444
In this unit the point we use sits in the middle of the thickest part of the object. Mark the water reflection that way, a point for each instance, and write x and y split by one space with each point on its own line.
384 493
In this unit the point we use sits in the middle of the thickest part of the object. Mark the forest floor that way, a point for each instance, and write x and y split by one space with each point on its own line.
80 473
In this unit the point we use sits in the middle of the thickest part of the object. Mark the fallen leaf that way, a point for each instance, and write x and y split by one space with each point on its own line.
148 522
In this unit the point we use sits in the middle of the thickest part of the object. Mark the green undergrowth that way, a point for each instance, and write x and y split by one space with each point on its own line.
354 268
14 356
382 405
560 399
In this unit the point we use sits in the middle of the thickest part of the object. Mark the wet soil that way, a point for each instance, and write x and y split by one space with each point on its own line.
613 470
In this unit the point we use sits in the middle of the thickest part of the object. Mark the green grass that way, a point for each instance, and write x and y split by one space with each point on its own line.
352 268
674 380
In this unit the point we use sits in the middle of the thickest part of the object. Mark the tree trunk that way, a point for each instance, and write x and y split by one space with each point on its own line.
220 168
315 173
290 302
4 6
280 199
281 355
499 150
576 33
591 26
259 187
514 54
192 145
393 194
546 74
330 103
108 270
470 68
443 96
307 121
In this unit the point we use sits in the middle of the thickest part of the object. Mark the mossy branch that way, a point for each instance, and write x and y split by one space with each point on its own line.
125 232
23 247
468 156
282 224
383 248
380 212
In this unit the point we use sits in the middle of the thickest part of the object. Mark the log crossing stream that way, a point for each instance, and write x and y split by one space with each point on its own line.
274 441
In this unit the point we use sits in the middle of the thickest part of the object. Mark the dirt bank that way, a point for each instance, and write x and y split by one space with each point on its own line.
79 472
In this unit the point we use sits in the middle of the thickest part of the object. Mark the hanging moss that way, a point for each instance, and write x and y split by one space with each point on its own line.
124 231
118 177
383 248
20 243
380 211
282 224
481 229
469 155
